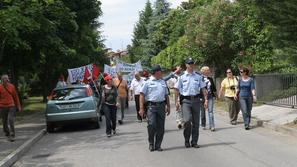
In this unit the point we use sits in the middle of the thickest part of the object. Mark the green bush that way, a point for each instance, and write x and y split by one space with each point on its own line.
279 94
23 87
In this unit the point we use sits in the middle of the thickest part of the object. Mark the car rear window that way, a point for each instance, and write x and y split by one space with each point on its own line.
69 94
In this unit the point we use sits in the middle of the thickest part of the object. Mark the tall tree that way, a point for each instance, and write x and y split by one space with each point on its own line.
140 32
282 16
160 11
44 38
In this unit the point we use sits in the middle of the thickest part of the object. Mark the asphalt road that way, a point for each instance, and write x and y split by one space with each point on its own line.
228 146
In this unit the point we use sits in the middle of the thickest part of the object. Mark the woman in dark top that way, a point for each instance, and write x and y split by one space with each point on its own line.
247 94
109 100
212 91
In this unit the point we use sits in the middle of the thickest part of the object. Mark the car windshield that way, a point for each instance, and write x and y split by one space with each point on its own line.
69 94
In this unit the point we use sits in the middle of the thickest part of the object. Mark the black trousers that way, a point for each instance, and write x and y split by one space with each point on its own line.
110 112
136 98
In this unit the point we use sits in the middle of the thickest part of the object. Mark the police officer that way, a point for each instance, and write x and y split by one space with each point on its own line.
188 89
155 91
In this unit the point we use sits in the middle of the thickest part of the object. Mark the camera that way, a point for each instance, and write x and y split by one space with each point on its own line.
232 87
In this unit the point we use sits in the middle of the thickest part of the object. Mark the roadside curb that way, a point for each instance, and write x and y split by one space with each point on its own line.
15 155
278 128
256 122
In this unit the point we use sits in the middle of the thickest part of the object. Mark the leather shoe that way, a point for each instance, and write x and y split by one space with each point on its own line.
159 149
179 126
195 146
151 148
187 145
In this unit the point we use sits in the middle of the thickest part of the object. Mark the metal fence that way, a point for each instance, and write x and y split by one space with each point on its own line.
277 89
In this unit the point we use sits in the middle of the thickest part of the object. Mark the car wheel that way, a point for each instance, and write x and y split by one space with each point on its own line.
49 128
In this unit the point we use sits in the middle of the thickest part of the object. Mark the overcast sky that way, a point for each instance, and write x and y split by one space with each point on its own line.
119 17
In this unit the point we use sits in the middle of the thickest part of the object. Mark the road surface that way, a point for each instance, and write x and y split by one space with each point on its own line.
228 146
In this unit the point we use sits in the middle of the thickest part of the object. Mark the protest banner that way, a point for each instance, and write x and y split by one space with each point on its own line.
110 70
127 67
75 74
129 77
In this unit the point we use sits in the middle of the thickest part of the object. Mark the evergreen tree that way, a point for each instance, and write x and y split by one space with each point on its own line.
150 47
140 33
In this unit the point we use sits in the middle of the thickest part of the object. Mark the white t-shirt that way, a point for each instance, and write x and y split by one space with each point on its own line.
171 82
136 86
61 84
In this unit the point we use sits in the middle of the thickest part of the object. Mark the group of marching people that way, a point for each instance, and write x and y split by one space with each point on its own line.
195 93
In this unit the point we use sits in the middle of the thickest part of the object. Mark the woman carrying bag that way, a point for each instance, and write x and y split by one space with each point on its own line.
109 102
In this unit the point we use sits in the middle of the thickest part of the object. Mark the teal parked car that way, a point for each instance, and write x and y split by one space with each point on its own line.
71 103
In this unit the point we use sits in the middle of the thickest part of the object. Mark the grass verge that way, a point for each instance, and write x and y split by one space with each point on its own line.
30 106
222 106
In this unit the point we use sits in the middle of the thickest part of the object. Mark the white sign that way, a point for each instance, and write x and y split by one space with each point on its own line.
129 77
110 70
75 74
126 67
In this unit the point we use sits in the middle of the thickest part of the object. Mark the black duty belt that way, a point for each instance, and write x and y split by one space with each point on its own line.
155 103
191 97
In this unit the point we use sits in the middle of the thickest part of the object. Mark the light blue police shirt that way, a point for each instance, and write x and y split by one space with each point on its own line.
189 84
154 90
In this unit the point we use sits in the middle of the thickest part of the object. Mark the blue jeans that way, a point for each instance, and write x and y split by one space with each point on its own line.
210 112
246 104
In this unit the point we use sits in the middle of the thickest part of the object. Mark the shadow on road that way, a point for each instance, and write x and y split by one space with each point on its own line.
223 128
74 127
217 144
172 130
175 148
201 146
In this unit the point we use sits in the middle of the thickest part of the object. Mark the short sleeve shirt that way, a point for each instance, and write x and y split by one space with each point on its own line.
246 87
189 84
154 90
227 84
136 86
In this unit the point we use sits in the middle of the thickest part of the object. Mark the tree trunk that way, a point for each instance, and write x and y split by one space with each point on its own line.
2 48
45 86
